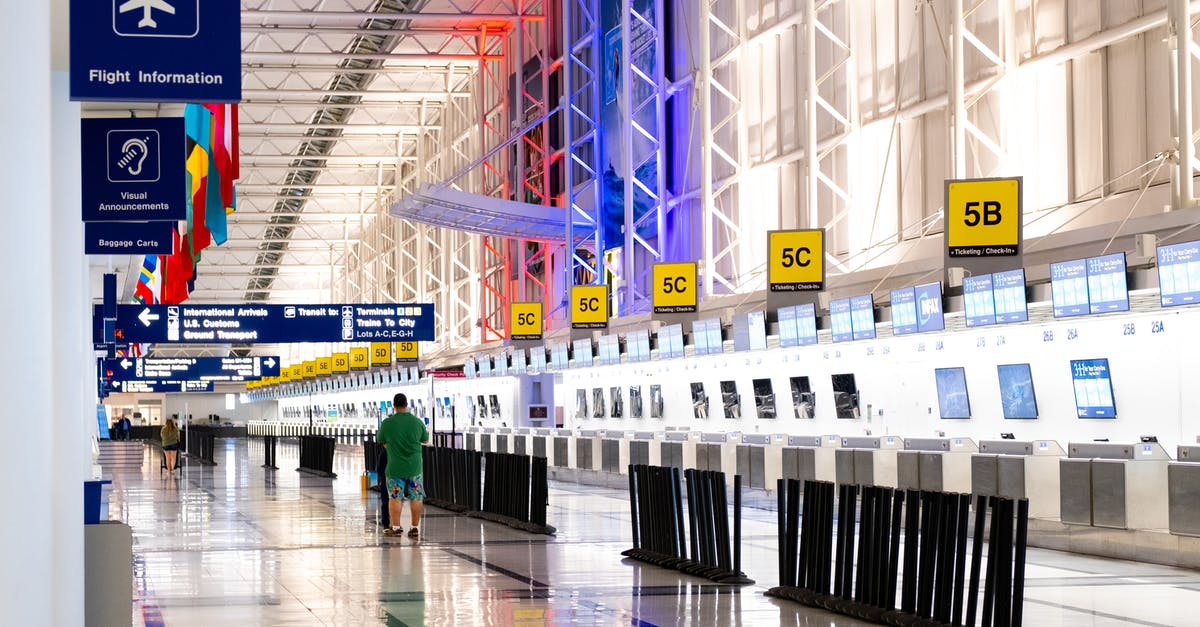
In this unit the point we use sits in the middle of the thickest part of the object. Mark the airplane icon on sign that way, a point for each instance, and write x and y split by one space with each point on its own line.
147 7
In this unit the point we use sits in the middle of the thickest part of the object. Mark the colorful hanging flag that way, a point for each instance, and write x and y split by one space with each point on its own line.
149 284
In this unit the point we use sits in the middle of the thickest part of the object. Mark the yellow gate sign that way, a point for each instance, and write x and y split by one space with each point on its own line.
676 288
324 366
983 217
340 363
407 352
526 321
589 307
381 353
360 358
796 260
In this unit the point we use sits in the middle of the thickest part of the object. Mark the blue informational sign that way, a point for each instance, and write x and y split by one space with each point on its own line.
128 238
1009 290
133 169
1179 274
160 387
1017 398
862 314
272 324
798 325
904 311
191 368
102 421
156 50
978 304
1069 288
1093 388
841 325
1107 290
929 307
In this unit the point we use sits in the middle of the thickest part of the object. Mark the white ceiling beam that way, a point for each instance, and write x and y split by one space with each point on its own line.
264 128
392 58
351 18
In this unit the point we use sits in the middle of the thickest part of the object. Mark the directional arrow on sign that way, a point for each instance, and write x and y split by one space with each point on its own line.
146 317
125 364
270 363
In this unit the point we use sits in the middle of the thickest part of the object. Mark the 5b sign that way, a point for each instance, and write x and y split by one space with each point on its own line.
589 307
983 217
675 287
796 260
526 321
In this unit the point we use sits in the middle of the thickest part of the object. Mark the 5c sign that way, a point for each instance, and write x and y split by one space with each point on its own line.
526 321
796 260
676 287
983 217
589 307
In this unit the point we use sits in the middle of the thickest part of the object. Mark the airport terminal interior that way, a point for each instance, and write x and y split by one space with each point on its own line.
728 312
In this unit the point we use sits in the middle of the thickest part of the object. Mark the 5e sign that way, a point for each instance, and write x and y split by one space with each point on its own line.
527 321
675 287
796 260
589 307
983 217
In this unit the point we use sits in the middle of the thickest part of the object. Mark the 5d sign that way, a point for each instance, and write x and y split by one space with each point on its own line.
983 217
676 287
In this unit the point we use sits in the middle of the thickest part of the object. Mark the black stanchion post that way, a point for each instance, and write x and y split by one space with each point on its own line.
737 524
721 516
989 581
633 504
842 532
798 549
893 571
912 511
693 513
927 551
976 559
681 544
781 533
1004 563
1018 596
963 503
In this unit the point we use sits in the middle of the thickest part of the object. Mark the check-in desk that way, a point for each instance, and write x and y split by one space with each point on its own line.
868 461
562 450
587 450
1120 486
541 444
502 440
520 441
809 457
678 449
937 464
718 451
643 449
1014 469
1183 492
760 459
611 445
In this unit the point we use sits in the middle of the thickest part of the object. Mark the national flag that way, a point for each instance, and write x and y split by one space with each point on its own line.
178 271
198 126
149 284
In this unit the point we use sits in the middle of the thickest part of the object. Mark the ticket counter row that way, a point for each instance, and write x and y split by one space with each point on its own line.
346 433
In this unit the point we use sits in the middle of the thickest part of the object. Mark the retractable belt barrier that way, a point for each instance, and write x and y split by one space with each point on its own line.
269 442
452 478
316 455
929 558
509 489
659 535
199 445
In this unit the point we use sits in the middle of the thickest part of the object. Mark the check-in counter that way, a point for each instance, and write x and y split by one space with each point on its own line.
562 451
810 457
502 440
718 451
541 444
1120 486
644 449
678 449
520 441
937 464
587 450
868 461
1015 469
610 451
760 459
1183 492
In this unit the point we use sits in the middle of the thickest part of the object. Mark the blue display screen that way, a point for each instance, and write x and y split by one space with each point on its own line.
929 307
1107 291
1069 288
716 343
839 320
806 324
1017 398
1179 274
904 311
952 392
789 334
1009 295
1093 388
757 322
583 353
862 314
700 337
978 302
670 341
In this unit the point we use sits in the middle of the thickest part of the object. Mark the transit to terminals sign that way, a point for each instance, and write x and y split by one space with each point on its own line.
191 368
983 217
270 324
156 50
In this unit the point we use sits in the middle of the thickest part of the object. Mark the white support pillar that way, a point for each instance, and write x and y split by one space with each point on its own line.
958 104
1180 29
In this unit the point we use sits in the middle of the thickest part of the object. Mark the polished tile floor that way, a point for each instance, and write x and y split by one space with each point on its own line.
236 545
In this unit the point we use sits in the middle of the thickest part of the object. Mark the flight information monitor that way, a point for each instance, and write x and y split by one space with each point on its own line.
1009 295
840 321
929 308
904 311
1017 398
1179 274
1107 290
953 401
798 325
1093 388
1069 288
862 314
978 303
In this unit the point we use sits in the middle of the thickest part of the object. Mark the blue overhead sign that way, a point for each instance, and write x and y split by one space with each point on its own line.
139 387
191 368
156 50
133 169
128 238
271 324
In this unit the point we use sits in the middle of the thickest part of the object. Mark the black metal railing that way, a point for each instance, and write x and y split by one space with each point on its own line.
316 455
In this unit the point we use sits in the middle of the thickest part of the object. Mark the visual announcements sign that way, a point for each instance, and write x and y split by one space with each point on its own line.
271 324
133 169
983 217
191 369
156 50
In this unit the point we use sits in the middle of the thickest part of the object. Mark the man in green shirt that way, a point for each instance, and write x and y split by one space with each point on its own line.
403 434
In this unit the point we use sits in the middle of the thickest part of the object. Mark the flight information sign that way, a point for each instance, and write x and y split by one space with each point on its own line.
191 368
160 387
271 324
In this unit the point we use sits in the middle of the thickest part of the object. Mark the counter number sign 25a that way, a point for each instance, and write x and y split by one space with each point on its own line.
983 217
589 307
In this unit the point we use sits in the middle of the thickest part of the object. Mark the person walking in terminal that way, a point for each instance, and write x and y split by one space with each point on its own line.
403 434
170 443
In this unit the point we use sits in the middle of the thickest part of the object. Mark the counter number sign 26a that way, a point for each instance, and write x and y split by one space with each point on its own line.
589 307
676 287
526 321
983 217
